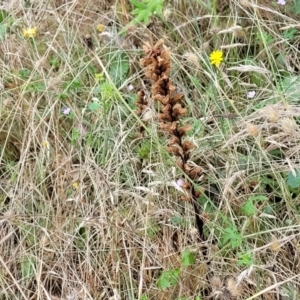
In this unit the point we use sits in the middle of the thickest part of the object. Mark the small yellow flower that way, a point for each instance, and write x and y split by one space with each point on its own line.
216 57
75 185
30 33
100 27
99 77
45 144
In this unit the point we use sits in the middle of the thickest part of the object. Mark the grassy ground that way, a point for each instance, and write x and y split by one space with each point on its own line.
92 205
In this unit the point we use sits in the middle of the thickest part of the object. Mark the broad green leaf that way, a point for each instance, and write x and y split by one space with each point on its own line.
187 258
294 181
27 267
296 10
176 220
94 106
153 230
245 259
168 278
6 22
30 232
24 73
2 31
291 88
290 33
118 68
145 9
81 238
258 198
138 4
3 15
144 16
232 236
249 208
75 136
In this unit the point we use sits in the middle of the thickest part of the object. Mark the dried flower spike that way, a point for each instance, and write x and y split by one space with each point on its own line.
252 129
234 289
157 65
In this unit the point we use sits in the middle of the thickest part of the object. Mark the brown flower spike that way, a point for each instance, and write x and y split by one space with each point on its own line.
157 64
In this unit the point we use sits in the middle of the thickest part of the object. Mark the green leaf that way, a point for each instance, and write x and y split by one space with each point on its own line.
30 234
144 16
290 33
245 259
168 278
258 198
5 23
94 106
232 236
138 4
36 86
75 136
81 238
118 68
176 220
2 31
144 150
294 181
249 208
3 15
145 9
24 73
187 258
27 267
296 9
72 85
153 230
291 88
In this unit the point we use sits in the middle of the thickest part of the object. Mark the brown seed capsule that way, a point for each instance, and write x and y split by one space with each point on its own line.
184 129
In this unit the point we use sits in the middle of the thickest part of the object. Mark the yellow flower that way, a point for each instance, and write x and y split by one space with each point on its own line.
99 77
216 57
30 33
100 27
75 185
45 144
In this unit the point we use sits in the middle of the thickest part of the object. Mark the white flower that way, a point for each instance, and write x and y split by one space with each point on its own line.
180 182
130 87
66 111
281 2
251 94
